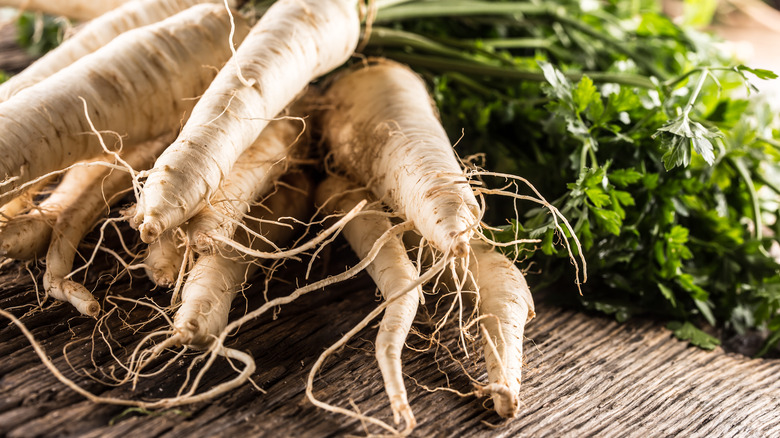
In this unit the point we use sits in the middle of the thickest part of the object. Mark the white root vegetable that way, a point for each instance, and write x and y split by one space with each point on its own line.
253 176
201 320
15 207
382 129
506 306
215 279
77 219
76 9
94 35
295 42
27 236
393 273
127 89
164 259
22 203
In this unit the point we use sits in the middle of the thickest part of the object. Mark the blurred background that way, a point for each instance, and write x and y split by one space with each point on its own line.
752 27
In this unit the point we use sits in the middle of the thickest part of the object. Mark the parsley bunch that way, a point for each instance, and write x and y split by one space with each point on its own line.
649 138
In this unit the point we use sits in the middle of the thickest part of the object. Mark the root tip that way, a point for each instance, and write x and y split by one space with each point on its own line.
204 244
506 402
163 278
72 292
150 231
92 309
460 248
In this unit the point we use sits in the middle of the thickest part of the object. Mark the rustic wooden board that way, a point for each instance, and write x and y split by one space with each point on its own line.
12 58
584 376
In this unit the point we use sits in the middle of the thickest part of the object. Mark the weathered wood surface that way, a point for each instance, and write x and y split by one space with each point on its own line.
585 376
12 58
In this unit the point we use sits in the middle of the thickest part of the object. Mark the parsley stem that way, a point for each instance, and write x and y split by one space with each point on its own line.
642 61
459 49
458 8
592 153
674 81
771 142
744 173
452 8
385 37
469 67
584 158
772 186
514 43
382 4
478 87
692 100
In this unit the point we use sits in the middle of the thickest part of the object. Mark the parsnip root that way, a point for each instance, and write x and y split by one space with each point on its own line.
78 218
94 35
506 306
295 42
215 279
126 88
393 272
253 176
382 129
164 259
27 236
76 9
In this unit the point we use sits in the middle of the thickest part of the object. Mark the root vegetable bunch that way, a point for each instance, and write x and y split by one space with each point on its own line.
221 200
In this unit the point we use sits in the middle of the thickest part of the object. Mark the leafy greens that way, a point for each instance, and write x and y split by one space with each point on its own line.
648 136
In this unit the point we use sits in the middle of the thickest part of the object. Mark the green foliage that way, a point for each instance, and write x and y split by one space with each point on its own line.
683 134
699 13
689 332
39 33
638 131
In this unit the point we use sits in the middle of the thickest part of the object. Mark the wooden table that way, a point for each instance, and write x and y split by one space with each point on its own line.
584 375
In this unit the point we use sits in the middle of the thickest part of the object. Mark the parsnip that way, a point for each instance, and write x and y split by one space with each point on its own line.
253 175
78 218
215 279
76 9
22 203
127 89
27 236
382 129
393 272
506 305
164 259
94 35
293 43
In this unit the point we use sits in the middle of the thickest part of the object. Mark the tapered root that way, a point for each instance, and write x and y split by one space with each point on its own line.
127 88
382 130
25 237
506 305
150 230
393 272
506 401
164 260
72 292
294 42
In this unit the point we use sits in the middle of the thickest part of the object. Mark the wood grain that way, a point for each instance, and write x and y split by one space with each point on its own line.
584 375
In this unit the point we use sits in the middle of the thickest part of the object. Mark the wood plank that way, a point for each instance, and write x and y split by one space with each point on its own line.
584 376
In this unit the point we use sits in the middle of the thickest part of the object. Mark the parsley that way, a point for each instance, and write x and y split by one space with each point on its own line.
640 131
